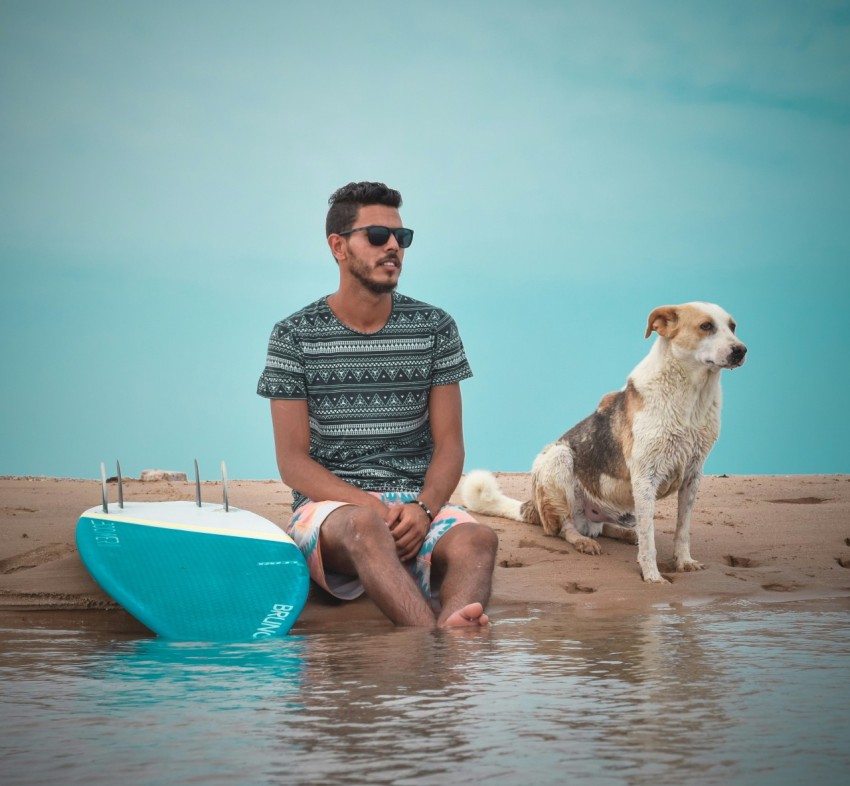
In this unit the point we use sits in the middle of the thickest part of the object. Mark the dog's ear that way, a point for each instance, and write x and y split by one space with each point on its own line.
664 320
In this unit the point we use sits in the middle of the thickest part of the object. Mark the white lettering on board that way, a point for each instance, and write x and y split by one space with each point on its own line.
105 534
273 620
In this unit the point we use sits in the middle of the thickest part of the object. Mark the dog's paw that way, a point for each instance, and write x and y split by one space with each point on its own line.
587 546
688 565
651 575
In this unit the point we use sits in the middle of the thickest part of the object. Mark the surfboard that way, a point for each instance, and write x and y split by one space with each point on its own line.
195 571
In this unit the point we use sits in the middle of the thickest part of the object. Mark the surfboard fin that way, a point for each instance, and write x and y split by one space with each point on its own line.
120 479
224 486
103 487
197 485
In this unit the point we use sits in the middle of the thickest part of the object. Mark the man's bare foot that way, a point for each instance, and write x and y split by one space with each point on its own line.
471 615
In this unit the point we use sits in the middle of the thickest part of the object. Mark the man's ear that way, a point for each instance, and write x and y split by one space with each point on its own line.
664 320
336 243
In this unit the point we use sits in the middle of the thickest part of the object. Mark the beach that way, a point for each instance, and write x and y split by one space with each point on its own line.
761 538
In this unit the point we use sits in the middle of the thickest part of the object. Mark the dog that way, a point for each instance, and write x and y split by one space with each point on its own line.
642 443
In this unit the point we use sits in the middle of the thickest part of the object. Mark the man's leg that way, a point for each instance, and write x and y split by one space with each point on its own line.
462 566
355 541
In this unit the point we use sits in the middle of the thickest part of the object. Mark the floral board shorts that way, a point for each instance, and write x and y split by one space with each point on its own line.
304 527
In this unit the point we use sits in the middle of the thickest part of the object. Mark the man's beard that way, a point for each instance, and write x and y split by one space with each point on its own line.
375 287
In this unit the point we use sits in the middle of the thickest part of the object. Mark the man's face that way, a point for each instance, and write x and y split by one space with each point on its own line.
377 268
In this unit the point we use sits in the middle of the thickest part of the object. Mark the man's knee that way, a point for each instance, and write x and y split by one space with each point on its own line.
351 528
467 540
365 523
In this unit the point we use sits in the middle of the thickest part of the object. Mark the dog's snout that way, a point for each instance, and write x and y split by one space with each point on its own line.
736 355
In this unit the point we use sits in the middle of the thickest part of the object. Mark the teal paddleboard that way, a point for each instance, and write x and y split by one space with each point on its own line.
196 572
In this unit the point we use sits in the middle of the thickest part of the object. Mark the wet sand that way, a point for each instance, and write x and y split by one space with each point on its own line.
765 538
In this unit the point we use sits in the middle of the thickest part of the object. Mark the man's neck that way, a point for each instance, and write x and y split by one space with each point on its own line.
361 310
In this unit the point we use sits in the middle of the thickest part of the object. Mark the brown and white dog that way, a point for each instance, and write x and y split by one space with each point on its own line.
643 443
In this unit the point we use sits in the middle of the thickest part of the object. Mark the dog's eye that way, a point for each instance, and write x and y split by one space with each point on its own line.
732 326
707 327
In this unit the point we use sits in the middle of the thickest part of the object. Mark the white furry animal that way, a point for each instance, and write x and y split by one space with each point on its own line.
643 443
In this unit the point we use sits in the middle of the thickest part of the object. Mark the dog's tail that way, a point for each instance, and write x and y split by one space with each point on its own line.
480 492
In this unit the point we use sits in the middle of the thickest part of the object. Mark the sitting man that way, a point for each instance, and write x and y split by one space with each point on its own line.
366 409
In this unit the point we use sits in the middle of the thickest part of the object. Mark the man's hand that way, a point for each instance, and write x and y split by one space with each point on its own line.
409 525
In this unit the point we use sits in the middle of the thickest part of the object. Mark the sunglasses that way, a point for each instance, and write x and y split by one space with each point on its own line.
378 236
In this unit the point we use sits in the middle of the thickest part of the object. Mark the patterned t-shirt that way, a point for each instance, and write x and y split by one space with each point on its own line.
367 394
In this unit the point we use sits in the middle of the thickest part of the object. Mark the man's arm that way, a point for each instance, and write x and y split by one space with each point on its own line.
445 412
446 416
291 421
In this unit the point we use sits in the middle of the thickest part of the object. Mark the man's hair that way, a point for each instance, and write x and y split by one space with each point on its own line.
346 201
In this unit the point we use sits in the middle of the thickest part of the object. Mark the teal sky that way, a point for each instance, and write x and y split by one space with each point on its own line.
567 167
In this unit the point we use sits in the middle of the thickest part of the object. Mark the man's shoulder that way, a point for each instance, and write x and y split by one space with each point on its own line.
411 308
309 311
307 317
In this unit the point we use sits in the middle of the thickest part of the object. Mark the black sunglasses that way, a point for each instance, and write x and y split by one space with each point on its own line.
378 236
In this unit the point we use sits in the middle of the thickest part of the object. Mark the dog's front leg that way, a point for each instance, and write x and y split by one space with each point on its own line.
644 491
682 540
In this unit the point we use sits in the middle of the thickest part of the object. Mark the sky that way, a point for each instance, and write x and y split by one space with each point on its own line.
566 166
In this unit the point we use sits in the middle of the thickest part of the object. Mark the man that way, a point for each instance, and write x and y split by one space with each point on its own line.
366 408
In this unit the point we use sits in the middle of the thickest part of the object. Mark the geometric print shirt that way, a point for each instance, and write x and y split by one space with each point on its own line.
367 393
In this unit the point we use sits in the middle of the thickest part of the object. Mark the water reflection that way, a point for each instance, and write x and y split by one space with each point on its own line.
383 704
741 695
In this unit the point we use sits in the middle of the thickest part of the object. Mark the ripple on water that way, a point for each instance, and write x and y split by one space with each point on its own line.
709 695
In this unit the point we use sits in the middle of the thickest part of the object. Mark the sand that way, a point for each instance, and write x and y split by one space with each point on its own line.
761 538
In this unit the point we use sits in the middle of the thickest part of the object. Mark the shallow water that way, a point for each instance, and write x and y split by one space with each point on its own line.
743 694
